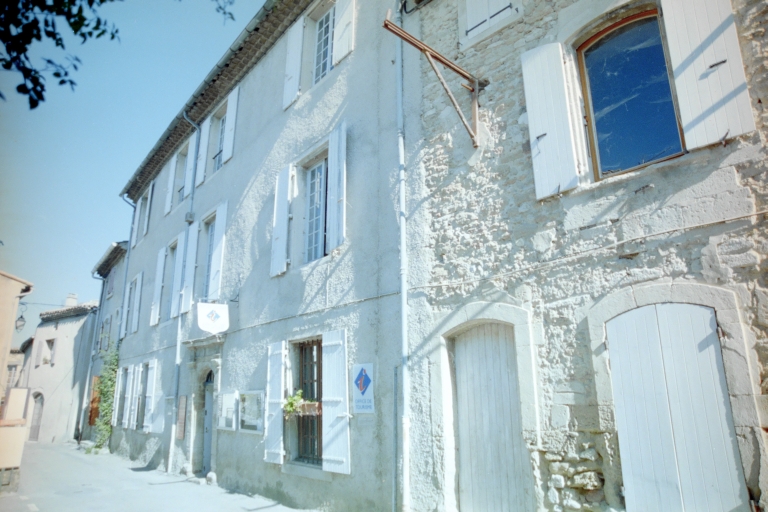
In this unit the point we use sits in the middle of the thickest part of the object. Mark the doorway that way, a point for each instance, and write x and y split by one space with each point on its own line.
37 417
493 462
673 414
207 423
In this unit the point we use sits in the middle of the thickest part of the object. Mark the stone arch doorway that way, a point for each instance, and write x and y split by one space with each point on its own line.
37 417
207 421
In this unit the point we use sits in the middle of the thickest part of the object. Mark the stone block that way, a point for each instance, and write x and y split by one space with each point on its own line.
557 481
590 454
561 416
761 295
589 481
744 411
652 293
559 468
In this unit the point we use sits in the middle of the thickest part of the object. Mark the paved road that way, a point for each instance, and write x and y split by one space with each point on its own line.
60 478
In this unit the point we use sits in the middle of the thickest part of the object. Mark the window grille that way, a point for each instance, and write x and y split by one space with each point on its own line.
310 382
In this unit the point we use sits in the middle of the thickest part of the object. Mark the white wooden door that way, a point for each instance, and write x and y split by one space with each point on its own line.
676 435
207 427
493 461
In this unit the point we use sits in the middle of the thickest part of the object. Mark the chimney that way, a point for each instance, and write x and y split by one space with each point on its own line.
71 300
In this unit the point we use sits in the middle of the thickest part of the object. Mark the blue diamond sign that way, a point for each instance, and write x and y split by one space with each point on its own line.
212 318
362 389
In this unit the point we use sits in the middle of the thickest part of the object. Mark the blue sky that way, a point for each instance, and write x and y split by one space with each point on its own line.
63 164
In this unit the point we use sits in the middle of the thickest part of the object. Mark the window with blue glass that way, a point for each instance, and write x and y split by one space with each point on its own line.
631 116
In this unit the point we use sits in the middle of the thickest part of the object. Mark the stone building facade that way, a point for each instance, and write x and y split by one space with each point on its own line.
564 267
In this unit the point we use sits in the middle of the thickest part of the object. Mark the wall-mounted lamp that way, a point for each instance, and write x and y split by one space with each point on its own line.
21 321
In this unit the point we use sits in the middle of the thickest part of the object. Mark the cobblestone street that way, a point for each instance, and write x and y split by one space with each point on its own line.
61 478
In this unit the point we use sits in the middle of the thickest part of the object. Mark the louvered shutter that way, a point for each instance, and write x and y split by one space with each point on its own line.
177 273
292 81
116 396
217 256
150 195
344 30
273 430
53 351
336 452
123 309
477 16
128 397
39 351
279 261
149 402
154 314
135 225
171 183
229 129
189 268
337 185
202 152
136 303
189 167
557 139
709 73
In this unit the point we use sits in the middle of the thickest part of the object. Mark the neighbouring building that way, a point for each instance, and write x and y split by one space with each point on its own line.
12 289
55 369
585 286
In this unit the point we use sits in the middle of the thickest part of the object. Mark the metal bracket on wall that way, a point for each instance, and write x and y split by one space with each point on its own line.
474 86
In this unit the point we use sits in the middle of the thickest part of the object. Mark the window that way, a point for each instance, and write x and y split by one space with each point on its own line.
141 398
210 234
104 335
316 212
131 305
111 283
141 215
121 390
631 115
310 433
49 351
324 44
227 405
217 158
168 289
12 368
180 171
251 415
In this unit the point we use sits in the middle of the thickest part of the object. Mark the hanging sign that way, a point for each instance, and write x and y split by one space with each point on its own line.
362 389
212 318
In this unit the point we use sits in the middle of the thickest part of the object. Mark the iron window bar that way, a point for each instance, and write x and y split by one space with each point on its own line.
474 86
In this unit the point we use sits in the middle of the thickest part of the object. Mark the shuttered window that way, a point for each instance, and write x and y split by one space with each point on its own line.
335 403
116 397
292 80
215 239
202 153
228 136
483 14
310 382
127 396
344 30
279 257
178 269
324 44
273 434
136 306
189 268
169 189
154 313
150 398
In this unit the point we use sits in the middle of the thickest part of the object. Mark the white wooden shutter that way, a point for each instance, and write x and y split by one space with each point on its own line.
336 452
217 257
154 314
344 30
150 195
53 351
229 129
135 225
273 429
337 185
116 396
189 167
136 303
149 402
177 273
39 351
125 307
637 373
710 470
279 261
138 373
557 147
128 397
171 184
709 73
202 152
292 82
189 268
499 10
477 16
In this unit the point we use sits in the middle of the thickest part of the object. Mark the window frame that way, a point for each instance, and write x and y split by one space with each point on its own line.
310 444
209 225
218 158
586 93
309 170
331 14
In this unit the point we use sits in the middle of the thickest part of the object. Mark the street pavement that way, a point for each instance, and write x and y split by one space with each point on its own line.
61 478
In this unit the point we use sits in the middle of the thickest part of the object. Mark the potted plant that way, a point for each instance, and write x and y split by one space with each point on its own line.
296 405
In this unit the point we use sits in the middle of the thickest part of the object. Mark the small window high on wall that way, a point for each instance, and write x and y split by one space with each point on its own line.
630 109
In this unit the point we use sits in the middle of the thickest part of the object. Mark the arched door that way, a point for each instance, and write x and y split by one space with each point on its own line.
493 461
673 415
37 418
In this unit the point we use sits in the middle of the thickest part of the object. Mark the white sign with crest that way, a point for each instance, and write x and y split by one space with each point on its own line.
212 318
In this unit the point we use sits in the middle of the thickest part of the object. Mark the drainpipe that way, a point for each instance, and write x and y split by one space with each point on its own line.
87 386
177 367
406 422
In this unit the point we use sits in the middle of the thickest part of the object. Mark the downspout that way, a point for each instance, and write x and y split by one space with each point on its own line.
406 422
86 388
177 367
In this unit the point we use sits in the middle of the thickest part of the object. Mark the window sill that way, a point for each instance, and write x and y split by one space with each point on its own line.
306 471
